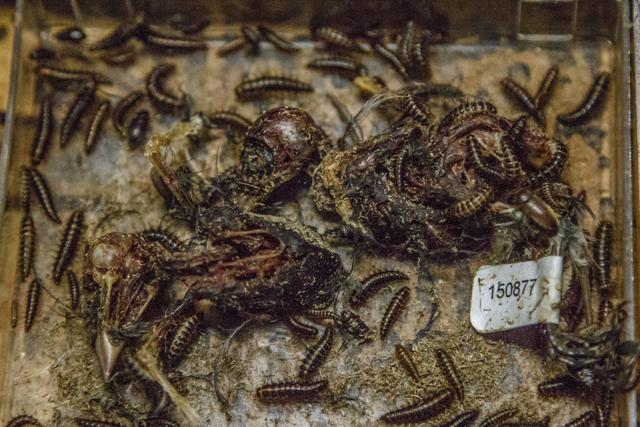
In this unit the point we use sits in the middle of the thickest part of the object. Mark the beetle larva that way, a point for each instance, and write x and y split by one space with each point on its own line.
591 103
33 298
232 46
122 108
27 244
464 111
68 245
157 422
546 87
495 419
137 129
300 329
322 314
121 34
272 37
78 107
372 285
604 407
394 309
168 240
122 57
462 420
554 168
163 42
393 60
291 392
59 75
415 110
549 196
317 354
42 140
404 47
512 166
95 423
252 38
451 372
25 189
522 95
180 343
191 27
515 133
602 257
346 66
14 313
604 311
23 420
71 34
44 195
95 127
162 100
259 86
406 361
400 162
477 160
582 421
421 411
229 120
74 289
337 38
467 207
562 386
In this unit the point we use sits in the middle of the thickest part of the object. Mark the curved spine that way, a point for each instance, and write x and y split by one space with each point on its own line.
478 162
394 309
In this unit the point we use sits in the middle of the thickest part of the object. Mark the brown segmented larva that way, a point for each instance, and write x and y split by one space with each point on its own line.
121 34
590 105
602 257
467 207
27 244
546 87
449 369
300 329
553 169
23 420
322 314
65 76
477 161
276 40
158 41
260 86
512 166
42 139
229 120
406 361
164 237
582 421
604 311
157 422
562 386
184 337
604 406
400 162
462 420
415 110
25 189
404 49
317 354
338 64
95 127
44 195
74 289
122 108
79 105
232 46
393 60
337 38
68 245
522 95
496 418
422 411
394 309
549 197
252 38
417 55
372 284
95 423
14 313
517 129
464 111
291 392
33 298
163 101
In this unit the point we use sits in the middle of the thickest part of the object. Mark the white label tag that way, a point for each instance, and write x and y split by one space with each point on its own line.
510 296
